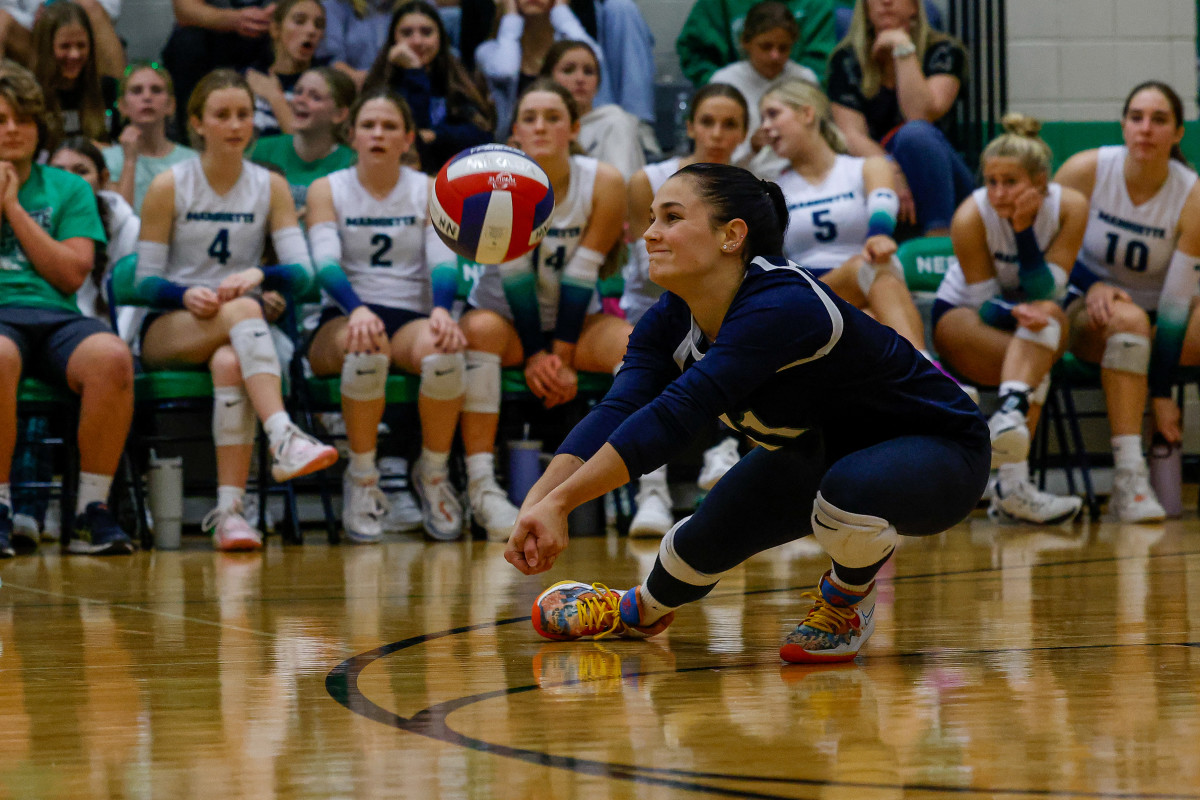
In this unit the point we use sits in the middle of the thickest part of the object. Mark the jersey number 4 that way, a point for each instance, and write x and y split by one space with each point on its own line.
554 260
219 249
1136 253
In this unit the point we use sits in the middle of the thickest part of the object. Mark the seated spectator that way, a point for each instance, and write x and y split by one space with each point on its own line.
320 104
355 31
205 224
626 46
450 112
296 29
713 30
609 133
17 18
79 156
997 319
893 82
1133 289
78 97
392 283
214 33
512 59
145 100
47 249
768 36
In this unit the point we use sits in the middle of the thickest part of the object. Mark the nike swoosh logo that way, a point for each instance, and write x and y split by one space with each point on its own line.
259 333
823 525
867 616
232 403
365 372
441 372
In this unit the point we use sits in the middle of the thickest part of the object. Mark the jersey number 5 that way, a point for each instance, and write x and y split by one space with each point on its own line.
826 228
219 249
1136 253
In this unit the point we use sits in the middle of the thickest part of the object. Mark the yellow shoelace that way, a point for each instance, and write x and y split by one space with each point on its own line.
601 613
826 617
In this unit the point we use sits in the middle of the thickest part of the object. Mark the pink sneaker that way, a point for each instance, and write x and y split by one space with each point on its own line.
300 454
230 531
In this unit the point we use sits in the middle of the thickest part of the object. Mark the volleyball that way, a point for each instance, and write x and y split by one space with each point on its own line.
491 203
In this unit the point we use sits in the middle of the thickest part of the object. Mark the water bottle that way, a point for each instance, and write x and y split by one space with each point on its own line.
1166 474
524 467
164 489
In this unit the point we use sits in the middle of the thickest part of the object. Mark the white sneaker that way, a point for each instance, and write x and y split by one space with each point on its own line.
250 511
1026 503
299 454
404 514
1010 437
442 511
25 534
491 510
364 507
653 517
52 523
230 530
1132 499
718 460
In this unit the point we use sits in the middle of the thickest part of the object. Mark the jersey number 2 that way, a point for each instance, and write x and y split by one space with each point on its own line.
826 228
1136 253
219 249
384 243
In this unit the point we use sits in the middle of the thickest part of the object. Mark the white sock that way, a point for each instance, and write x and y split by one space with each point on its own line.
6 495
1127 451
481 467
652 610
276 426
230 497
1013 387
362 465
1012 475
93 488
435 462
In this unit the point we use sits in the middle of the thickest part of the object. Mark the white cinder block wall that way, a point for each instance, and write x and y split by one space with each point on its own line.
1068 59
1076 59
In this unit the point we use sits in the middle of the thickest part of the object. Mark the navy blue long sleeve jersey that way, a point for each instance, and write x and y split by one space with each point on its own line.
790 357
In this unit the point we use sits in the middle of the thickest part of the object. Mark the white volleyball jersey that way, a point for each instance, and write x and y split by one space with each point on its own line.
214 235
568 221
1002 245
383 241
827 222
1131 245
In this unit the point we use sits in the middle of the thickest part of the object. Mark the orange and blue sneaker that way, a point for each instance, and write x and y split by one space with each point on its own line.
836 627
571 610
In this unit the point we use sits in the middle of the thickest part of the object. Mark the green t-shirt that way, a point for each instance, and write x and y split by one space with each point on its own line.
146 170
65 206
278 151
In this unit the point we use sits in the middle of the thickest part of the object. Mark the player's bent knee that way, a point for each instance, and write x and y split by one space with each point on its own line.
10 358
241 308
1127 352
443 376
852 540
364 376
105 359
677 567
481 382
224 366
251 340
484 329
1129 318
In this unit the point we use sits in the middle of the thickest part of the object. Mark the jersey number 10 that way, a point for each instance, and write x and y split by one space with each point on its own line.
1136 253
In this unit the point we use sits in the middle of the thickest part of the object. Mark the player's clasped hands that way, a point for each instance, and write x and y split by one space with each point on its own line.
550 380
539 536
239 283
1101 302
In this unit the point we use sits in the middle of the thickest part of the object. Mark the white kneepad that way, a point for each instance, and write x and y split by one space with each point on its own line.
1127 352
364 376
233 419
483 383
852 540
442 376
251 340
1049 337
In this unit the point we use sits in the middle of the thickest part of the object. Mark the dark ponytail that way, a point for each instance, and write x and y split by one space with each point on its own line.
734 193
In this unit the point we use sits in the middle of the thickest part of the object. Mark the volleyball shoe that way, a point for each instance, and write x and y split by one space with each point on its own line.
571 610
836 628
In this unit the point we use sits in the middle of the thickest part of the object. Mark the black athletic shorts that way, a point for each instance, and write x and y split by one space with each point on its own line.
47 337
393 318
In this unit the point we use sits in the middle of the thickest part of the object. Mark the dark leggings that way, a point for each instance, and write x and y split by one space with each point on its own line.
936 174
921 485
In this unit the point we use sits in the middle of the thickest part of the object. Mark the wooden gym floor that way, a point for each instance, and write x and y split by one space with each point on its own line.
1008 663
